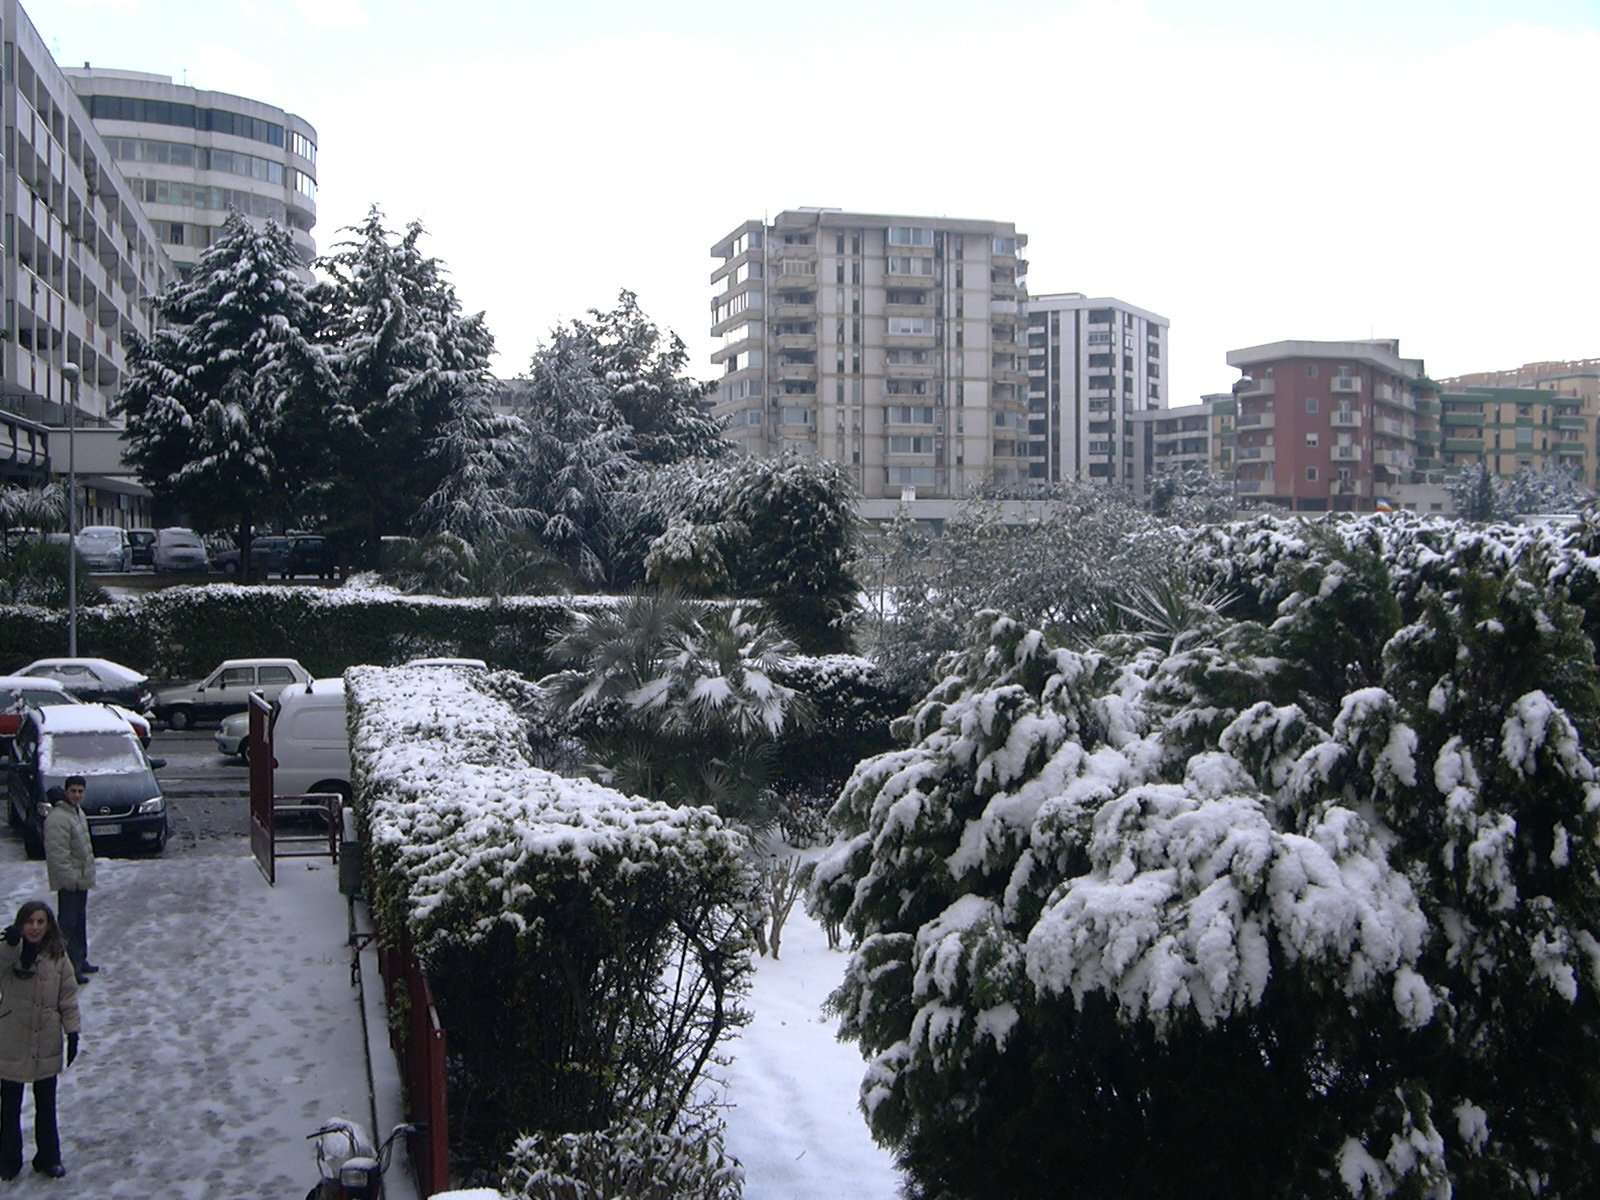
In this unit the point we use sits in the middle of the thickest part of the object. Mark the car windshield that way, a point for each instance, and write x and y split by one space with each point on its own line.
186 541
107 536
141 537
90 754
39 698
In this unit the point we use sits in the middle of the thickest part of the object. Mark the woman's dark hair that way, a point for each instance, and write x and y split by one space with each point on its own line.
52 943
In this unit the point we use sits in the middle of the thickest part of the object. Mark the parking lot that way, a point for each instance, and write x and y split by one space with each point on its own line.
207 798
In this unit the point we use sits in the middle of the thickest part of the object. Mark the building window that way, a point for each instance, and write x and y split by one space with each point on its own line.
1311 404
910 235
1311 474
1311 439
752 416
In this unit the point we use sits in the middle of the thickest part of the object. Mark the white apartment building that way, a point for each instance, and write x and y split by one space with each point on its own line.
81 261
192 155
890 345
1093 363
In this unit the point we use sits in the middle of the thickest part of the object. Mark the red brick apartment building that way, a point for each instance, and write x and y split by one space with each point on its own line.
1332 425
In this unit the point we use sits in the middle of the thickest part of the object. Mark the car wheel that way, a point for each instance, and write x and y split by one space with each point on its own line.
230 568
180 718
244 752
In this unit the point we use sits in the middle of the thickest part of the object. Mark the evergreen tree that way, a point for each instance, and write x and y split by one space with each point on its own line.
403 364
204 396
1550 489
1478 494
666 412
574 458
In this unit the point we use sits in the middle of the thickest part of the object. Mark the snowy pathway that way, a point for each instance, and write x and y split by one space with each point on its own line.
795 1125
222 1027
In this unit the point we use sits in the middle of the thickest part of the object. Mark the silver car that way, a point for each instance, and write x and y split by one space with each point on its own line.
180 550
104 548
233 736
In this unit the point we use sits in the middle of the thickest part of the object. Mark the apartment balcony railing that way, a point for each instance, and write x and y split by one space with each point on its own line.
1346 454
1346 385
1257 387
1257 421
1257 453
1345 418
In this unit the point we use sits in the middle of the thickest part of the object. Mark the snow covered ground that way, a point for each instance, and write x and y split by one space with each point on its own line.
795 1125
221 1028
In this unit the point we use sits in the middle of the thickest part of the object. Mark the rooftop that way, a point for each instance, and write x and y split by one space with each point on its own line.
1383 353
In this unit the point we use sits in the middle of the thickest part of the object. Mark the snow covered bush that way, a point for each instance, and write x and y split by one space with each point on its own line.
583 946
184 632
630 1160
1131 921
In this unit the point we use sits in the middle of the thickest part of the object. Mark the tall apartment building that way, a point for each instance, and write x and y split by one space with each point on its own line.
890 345
1166 439
1575 377
1093 364
1508 429
81 257
191 155
1330 425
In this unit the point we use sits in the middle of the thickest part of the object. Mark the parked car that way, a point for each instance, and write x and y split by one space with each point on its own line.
233 735
123 802
308 555
310 740
104 548
179 549
18 693
226 690
268 554
95 679
470 664
142 546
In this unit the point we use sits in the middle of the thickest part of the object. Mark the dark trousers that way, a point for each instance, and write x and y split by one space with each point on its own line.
45 1135
72 914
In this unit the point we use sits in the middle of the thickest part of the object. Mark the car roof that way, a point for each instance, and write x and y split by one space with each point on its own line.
33 681
101 529
80 718
448 662
115 668
260 662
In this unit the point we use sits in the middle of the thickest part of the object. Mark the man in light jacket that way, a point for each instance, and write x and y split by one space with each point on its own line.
69 857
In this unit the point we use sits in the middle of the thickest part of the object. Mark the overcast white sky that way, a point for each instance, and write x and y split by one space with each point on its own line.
1251 169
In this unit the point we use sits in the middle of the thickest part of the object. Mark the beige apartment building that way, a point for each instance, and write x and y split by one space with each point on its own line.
892 345
1535 415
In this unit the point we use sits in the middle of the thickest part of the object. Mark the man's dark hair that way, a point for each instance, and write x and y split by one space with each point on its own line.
76 781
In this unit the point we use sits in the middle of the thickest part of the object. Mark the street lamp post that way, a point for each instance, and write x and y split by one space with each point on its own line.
69 372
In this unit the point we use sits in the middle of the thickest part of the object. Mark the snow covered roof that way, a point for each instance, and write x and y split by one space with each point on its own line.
81 718
108 668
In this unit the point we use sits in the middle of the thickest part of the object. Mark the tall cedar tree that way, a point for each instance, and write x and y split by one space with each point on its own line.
642 371
204 395
403 362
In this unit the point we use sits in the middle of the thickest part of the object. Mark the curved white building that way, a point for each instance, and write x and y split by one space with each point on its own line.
191 156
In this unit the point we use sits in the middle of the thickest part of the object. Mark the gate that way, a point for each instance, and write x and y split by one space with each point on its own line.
267 843
261 830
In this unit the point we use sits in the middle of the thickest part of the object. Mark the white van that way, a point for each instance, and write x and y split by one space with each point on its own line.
310 741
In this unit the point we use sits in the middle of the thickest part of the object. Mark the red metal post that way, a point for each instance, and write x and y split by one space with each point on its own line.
261 827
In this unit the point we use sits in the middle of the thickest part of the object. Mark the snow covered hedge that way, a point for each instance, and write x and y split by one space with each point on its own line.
581 944
183 632
1305 907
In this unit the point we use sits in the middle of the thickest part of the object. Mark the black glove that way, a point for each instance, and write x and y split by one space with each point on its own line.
72 1047
13 935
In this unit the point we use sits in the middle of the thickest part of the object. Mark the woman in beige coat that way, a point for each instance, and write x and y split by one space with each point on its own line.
38 1003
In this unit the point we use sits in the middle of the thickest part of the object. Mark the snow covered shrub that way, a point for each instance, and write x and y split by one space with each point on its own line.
688 558
583 947
34 572
630 1160
185 632
678 700
1346 959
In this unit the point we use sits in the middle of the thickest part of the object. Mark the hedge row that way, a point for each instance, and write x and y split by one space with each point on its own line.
546 911
184 632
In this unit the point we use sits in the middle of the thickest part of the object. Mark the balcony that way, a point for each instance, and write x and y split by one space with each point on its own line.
1257 453
1383 391
1263 420
801 371
795 341
1394 428
1399 460
1570 449
1003 308
1346 385
794 273
1256 387
1472 419
1007 375
1345 418
1564 422
1345 453
915 283
1348 487
1463 445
